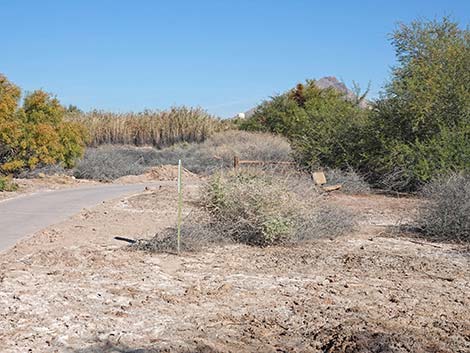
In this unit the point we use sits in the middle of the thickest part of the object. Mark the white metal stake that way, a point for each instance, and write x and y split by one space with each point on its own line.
180 205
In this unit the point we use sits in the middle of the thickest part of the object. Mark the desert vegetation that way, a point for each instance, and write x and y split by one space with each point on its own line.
417 129
7 184
35 133
351 182
446 213
402 141
268 261
149 128
258 208
265 208
319 124
110 162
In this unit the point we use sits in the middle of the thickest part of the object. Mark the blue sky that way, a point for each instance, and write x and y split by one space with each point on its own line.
225 56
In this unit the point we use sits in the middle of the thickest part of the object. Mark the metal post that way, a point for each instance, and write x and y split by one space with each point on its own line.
180 206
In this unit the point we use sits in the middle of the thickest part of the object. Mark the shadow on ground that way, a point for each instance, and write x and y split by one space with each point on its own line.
110 347
375 342
336 340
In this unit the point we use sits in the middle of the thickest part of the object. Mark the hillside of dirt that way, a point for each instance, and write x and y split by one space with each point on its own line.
158 173
73 288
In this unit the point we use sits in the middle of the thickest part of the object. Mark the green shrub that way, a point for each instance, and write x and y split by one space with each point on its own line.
446 212
407 167
421 125
417 129
7 184
251 209
323 126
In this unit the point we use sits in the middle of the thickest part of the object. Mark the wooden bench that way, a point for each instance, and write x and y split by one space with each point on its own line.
319 179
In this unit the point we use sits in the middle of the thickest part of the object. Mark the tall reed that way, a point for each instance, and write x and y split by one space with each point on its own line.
154 128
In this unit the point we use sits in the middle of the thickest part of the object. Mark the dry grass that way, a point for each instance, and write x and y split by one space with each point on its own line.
149 128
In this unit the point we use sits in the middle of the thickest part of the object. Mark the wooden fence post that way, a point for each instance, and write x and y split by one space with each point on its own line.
236 162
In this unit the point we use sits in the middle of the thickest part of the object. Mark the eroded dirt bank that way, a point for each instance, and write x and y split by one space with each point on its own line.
72 288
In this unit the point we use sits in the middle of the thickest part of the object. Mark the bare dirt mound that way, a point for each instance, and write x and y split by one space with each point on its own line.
159 173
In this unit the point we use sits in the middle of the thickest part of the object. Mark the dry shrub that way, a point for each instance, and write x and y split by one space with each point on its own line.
218 151
110 162
446 213
149 128
256 208
352 183
253 208
396 179
196 234
38 172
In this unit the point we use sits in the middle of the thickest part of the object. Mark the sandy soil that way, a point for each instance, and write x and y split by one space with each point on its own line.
161 172
72 288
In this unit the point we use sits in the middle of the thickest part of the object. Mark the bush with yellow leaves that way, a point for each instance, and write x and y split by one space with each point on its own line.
35 133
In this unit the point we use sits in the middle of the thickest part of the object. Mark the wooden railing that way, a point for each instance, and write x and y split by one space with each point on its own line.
237 162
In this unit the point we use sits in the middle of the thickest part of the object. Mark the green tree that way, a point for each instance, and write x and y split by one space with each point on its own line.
323 125
425 108
10 128
36 133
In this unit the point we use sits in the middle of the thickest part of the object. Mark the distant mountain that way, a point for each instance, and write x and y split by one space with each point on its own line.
333 82
249 113
323 83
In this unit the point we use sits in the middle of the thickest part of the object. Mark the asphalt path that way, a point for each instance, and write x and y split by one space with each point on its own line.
25 215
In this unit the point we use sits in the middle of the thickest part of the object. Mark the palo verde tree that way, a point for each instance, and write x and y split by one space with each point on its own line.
422 122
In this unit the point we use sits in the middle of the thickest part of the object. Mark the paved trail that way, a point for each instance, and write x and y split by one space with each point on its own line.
25 215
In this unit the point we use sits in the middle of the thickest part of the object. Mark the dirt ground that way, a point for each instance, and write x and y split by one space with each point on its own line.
161 172
73 288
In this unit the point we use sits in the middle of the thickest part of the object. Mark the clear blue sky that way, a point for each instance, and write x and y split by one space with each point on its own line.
223 55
